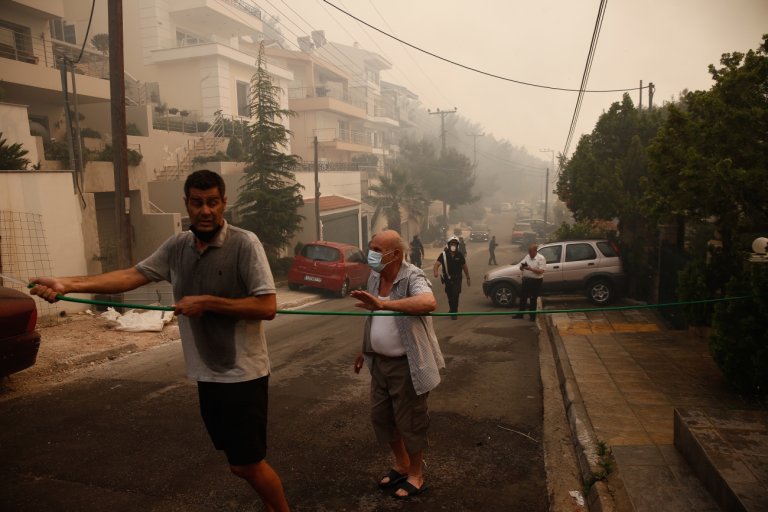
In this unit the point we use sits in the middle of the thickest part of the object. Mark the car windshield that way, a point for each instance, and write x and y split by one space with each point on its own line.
320 253
522 227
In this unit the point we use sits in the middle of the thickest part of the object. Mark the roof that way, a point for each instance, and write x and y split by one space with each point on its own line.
333 202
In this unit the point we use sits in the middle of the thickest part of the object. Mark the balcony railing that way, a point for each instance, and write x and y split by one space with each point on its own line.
49 52
245 7
340 135
329 166
325 92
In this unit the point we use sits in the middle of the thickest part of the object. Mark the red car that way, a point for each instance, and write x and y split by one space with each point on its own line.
330 266
19 342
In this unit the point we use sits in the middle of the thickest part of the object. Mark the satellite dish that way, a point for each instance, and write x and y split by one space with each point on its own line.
760 245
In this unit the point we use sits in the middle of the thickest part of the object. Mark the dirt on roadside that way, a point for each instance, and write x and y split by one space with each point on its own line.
77 342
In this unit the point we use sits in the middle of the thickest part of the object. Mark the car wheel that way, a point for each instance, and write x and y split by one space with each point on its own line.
503 295
600 292
344 289
293 286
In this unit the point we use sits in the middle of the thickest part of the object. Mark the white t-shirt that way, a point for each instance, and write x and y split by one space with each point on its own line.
385 339
537 262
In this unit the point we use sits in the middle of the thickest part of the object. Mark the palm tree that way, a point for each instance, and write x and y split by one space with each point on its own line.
395 193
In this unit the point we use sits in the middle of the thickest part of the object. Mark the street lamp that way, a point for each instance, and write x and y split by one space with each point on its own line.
546 183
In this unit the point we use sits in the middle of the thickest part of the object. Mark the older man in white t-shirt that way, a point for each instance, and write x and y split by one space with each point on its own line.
533 267
404 358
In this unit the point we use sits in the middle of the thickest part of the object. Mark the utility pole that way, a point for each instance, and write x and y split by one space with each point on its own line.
651 89
317 195
546 182
475 136
119 137
640 106
442 114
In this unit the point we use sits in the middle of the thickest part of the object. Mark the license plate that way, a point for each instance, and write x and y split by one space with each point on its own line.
313 278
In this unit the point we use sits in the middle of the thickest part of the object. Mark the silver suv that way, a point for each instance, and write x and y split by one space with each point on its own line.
592 267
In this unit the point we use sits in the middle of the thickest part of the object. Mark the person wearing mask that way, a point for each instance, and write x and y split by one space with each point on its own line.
223 291
492 251
533 267
453 264
417 251
403 357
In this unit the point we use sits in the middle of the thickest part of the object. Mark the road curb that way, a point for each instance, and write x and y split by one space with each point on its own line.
585 442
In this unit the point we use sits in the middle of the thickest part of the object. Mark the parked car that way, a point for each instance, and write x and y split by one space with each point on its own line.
591 267
540 226
478 234
329 265
19 341
523 234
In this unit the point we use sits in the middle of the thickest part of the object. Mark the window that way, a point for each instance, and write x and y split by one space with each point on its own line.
579 252
242 99
320 253
187 39
552 253
608 250
63 31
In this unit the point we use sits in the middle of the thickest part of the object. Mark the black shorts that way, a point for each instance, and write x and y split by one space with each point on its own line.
235 415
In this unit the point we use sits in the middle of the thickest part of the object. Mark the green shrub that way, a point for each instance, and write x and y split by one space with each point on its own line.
581 231
738 340
218 157
235 149
132 129
55 151
90 132
12 156
105 155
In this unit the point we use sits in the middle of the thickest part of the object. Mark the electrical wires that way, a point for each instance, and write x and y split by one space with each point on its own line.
585 76
470 68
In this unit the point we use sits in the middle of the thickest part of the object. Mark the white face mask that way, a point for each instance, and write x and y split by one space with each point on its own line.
453 248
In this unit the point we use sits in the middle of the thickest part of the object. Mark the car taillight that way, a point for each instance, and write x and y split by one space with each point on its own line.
615 247
32 320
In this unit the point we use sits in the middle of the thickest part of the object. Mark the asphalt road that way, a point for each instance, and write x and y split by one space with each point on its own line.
128 436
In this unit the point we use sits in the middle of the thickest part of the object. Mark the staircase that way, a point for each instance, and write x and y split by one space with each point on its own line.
211 142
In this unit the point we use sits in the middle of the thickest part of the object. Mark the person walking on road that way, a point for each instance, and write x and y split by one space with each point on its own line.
453 263
492 251
417 251
462 247
223 289
403 357
533 267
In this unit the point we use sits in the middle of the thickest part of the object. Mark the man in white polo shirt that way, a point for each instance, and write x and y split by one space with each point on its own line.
533 267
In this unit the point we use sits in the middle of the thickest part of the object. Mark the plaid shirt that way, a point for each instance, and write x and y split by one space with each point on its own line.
424 356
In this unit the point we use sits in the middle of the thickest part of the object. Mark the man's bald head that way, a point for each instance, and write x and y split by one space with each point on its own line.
532 250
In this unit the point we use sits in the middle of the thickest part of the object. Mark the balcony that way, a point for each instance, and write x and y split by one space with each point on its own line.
346 140
227 17
303 99
49 52
31 68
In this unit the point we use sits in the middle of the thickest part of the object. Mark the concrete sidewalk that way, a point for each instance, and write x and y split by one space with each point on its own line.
654 399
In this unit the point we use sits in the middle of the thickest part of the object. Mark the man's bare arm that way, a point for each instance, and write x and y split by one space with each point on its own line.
117 281
260 307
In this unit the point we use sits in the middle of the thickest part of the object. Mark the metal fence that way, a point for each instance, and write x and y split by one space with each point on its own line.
24 254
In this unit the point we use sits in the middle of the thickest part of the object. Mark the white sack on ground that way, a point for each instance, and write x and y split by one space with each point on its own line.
135 321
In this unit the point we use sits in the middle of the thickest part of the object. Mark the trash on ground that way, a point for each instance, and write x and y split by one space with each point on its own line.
578 497
134 321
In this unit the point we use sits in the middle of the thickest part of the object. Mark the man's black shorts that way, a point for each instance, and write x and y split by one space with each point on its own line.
235 415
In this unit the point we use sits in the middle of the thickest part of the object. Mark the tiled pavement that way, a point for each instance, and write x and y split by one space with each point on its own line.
624 375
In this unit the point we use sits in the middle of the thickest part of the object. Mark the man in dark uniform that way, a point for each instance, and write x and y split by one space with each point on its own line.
453 263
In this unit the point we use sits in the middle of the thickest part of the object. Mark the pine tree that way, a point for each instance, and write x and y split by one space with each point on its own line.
269 194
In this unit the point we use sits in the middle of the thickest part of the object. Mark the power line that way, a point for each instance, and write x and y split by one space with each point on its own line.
429 78
470 68
585 75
